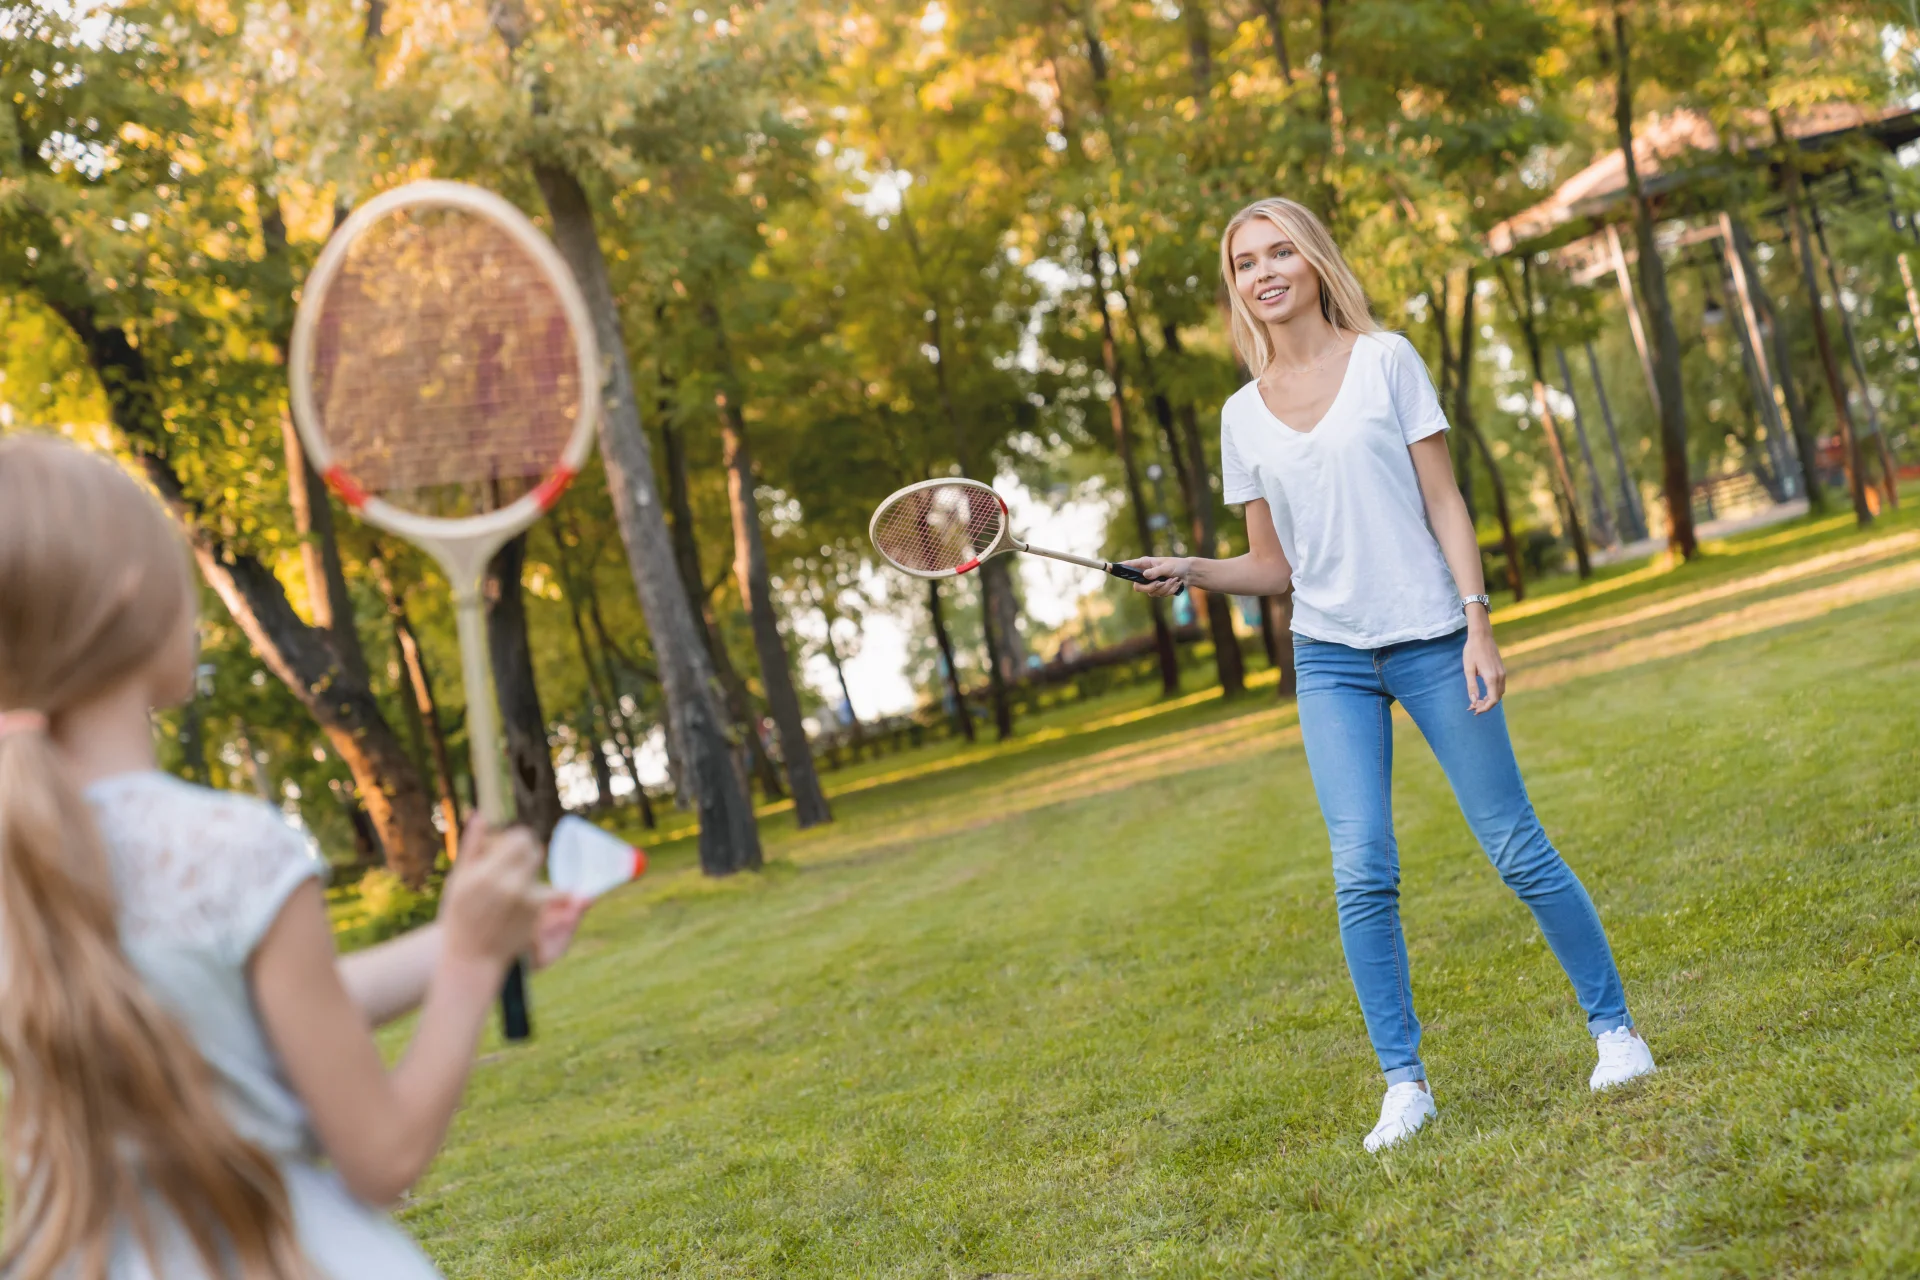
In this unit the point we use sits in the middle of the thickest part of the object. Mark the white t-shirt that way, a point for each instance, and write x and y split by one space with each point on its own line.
1367 570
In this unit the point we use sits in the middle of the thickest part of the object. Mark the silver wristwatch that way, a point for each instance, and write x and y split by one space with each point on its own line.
1482 601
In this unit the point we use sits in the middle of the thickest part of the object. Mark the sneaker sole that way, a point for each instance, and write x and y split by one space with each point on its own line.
1615 1084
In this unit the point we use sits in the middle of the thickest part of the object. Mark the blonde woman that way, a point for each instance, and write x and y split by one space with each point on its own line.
1336 450
193 1088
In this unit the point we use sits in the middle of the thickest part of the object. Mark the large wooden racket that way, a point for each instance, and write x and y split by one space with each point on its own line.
446 383
944 528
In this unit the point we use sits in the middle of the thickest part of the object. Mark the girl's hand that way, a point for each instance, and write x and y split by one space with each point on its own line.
493 899
1169 574
1486 674
560 915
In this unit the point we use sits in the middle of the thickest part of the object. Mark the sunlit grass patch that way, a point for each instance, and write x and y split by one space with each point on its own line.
1078 1008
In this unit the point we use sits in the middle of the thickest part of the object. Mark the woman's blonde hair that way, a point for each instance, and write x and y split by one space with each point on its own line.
108 1102
1342 301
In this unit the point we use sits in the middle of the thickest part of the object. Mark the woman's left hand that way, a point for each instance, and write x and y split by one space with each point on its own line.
1486 674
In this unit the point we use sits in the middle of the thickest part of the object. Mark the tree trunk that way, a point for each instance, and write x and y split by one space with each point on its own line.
855 729
328 598
1327 197
1523 303
1464 420
1197 495
729 833
1633 520
536 791
1459 449
193 742
426 708
1277 35
1889 470
756 588
602 731
299 655
996 581
1199 50
616 714
962 716
686 550
1816 314
996 599
1676 480
1800 423
1282 624
1603 522
1769 459
1123 445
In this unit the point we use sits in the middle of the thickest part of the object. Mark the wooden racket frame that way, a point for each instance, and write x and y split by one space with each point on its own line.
462 546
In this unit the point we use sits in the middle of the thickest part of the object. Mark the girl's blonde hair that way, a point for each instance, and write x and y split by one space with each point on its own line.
1342 301
109 1101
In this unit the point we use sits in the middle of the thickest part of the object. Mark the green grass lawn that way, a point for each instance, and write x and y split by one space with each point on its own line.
1075 1006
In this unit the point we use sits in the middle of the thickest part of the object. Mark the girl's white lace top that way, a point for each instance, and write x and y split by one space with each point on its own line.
201 876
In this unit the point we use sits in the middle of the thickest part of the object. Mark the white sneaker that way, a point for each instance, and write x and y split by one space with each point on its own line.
1623 1056
1405 1108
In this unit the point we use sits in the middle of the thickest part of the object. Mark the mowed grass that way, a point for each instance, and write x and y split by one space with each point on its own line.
1076 1007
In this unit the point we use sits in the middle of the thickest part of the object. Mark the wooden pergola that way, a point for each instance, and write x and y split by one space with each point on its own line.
1695 174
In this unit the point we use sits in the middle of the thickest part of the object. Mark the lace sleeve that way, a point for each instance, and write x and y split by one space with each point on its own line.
207 868
270 861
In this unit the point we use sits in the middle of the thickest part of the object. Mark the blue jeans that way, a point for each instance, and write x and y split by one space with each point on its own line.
1346 722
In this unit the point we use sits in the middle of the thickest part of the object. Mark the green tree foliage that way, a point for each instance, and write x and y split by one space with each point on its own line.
882 243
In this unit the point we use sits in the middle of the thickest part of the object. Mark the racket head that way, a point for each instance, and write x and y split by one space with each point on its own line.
939 528
444 374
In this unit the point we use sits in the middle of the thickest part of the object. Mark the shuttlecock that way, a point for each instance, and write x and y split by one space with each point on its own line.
584 860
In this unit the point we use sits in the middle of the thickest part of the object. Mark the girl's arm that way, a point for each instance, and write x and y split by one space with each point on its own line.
382 1128
1263 571
1447 514
389 980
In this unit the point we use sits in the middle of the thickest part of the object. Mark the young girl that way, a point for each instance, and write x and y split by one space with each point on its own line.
1335 448
193 1088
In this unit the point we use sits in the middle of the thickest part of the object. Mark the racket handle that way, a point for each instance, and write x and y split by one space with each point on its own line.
514 1022
1132 574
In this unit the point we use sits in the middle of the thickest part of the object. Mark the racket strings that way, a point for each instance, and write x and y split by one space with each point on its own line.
445 374
939 528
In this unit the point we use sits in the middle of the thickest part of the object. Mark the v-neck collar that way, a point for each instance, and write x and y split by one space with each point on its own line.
1340 392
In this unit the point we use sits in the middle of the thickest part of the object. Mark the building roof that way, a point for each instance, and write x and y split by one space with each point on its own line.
1680 148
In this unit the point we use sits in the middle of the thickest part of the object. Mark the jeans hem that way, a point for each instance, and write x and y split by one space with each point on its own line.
1597 1027
1406 1075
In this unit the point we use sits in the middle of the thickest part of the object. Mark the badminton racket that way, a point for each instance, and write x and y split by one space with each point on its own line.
944 528
446 382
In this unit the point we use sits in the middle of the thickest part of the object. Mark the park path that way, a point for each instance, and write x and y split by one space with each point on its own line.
1673 626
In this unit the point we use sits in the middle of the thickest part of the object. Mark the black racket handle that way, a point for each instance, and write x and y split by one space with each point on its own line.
514 1022
1132 574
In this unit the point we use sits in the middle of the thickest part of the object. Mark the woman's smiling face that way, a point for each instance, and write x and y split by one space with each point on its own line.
1273 278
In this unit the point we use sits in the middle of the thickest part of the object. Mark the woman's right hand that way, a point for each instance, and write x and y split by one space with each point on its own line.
1169 574
493 896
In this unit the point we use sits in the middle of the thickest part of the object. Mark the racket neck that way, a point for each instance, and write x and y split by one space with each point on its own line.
483 723
1067 556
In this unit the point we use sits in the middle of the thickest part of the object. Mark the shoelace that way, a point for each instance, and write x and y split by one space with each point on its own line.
1616 1051
1399 1107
